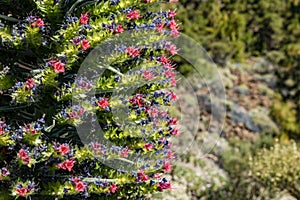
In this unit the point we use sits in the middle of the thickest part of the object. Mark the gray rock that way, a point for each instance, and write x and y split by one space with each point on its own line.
262 121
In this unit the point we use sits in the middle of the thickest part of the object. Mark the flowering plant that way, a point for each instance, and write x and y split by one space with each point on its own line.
41 152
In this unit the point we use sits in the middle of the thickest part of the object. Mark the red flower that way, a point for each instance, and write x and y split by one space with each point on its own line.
67 165
160 27
22 154
134 14
59 67
133 52
22 192
103 103
29 84
74 115
39 22
113 188
175 132
64 149
143 176
84 18
26 159
119 29
148 146
85 44
173 96
33 131
173 121
79 186
162 185
174 26
167 167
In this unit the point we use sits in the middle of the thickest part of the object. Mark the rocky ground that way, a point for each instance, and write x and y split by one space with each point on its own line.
249 91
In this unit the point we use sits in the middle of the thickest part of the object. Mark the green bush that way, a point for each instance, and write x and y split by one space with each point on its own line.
277 168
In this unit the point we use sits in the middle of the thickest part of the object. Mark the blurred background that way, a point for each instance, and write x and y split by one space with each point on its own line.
256 45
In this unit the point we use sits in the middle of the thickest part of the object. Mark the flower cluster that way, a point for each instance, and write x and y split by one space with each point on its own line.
42 141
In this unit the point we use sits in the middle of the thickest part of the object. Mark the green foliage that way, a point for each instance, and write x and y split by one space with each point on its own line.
286 114
238 29
277 167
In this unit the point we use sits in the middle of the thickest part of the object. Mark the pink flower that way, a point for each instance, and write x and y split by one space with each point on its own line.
162 186
175 34
134 14
170 74
113 188
79 186
167 167
73 115
148 1
143 176
173 82
171 1
164 60
22 154
173 50
174 26
85 44
154 112
156 175
148 146
22 192
29 84
76 180
39 22
175 132
103 103
160 27
133 52
64 149
81 111
148 75
67 165
124 153
171 14
170 155
173 121
59 67
26 159
84 18
119 29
